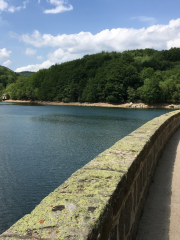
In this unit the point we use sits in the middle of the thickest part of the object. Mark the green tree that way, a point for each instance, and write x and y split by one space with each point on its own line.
132 94
150 92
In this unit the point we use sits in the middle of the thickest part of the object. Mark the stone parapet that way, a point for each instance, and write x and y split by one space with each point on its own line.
104 199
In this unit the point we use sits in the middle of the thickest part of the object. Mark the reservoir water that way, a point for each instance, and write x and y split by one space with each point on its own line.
41 146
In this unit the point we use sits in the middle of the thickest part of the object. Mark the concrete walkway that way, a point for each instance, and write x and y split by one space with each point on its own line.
161 217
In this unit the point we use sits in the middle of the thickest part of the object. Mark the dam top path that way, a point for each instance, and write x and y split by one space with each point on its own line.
161 216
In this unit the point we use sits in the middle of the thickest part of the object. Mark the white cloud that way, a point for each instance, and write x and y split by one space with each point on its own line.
30 52
35 67
73 46
39 57
120 39
59 56
6 63
150 20
4 6
174 43
60 6
4 53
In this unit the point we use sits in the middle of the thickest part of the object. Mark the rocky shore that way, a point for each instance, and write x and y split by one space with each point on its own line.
124 105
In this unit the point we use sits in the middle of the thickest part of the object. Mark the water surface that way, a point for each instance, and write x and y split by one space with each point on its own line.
41 146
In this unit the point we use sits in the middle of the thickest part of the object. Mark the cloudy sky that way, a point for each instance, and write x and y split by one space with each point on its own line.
36 34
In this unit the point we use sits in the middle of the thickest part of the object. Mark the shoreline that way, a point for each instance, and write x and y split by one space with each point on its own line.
123 105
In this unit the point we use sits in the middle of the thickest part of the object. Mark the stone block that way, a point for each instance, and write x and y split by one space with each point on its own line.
128 212
121 226
113 233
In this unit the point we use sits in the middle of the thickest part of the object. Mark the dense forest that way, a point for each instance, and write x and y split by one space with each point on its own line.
25 73
146 75
7 77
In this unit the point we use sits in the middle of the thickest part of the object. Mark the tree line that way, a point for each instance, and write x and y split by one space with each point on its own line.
144 75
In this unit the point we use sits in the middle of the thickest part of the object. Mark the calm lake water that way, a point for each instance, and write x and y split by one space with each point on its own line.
41 146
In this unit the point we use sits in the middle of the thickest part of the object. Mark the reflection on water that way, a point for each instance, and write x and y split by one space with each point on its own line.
41 146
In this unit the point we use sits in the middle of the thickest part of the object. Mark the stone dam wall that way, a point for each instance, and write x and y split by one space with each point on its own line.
104 199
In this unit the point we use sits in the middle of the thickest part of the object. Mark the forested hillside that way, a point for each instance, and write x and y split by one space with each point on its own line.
147 75
7 77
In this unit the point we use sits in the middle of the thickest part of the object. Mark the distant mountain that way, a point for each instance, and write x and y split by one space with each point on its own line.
25 73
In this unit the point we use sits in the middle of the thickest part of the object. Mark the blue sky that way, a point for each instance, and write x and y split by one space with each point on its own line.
36 34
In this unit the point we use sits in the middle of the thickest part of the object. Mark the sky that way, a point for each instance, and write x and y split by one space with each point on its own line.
36 34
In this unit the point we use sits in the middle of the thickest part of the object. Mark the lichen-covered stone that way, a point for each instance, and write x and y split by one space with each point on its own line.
83 191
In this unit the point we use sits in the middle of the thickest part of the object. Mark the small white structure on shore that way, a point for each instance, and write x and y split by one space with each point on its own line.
4 97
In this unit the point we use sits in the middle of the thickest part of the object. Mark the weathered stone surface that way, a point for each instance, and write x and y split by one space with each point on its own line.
128 210
67 212
121 225
113 233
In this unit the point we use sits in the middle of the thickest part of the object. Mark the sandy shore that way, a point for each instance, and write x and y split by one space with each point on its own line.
124 105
